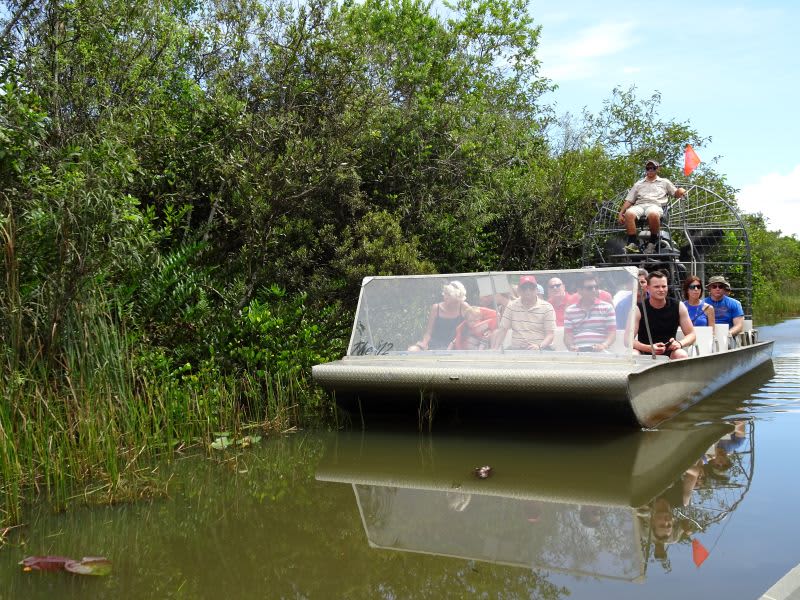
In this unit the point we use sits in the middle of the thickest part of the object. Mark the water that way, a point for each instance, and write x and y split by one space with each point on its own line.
403 515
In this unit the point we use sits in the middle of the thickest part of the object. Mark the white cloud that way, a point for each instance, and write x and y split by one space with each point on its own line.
777 197
578 56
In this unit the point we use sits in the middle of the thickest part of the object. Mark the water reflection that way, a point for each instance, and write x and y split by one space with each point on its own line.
601 506
261 524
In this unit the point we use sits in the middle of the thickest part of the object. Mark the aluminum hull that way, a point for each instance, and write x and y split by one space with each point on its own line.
639 391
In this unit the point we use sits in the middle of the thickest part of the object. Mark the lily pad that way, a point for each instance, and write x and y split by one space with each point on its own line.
89 565
248 440
44 563
220 443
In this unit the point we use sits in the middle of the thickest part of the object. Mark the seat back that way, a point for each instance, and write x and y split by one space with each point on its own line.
704 341
746 337
721 336
558 339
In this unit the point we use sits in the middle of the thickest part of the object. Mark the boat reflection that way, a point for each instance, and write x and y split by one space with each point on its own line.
599 506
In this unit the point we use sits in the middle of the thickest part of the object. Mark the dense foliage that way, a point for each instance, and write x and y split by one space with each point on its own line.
191 192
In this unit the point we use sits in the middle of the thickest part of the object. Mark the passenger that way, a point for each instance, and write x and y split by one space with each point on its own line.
701 312
590 324
665 528
727 310
557 296
623 307
647 198
475 333
591 516
532 321
662 318
444 318
718 458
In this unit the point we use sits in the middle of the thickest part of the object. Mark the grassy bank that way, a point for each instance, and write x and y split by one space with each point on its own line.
99 435
91 420
778 305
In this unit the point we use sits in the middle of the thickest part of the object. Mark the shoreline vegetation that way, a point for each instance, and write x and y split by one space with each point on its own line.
191 195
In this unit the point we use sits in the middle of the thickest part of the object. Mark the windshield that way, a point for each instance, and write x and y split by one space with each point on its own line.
575 312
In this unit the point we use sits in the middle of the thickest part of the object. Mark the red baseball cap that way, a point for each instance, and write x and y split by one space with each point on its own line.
528 280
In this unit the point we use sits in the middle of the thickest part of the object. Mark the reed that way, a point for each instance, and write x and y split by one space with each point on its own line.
776 306
104 418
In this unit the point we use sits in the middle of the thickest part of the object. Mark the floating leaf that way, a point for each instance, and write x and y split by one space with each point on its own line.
248 440
89 565
44 563
220 443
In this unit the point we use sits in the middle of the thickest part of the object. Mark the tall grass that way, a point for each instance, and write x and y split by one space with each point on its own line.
93 421
770 307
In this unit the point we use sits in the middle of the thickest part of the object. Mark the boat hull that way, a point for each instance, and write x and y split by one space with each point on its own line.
639 391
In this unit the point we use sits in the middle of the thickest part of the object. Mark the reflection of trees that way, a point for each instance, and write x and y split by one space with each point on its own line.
582 548
259 526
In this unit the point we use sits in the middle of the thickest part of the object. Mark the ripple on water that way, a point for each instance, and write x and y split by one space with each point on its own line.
781 394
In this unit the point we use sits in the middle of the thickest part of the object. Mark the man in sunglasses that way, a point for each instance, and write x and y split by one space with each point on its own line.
590 325
647 198
727 311
557 296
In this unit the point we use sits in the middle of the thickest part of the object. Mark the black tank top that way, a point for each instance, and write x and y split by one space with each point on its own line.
444 330
663 322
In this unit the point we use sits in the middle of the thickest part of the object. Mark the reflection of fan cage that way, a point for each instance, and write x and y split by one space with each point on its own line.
702 234
725 495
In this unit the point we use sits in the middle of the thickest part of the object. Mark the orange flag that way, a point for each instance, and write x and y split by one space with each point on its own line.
690 160
699 553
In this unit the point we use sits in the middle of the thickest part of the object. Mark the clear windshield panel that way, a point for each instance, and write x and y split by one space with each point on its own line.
601 541
576 312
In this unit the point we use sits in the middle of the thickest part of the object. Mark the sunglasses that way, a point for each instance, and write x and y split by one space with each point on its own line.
650 169
715 286
555 286
695 287
590 287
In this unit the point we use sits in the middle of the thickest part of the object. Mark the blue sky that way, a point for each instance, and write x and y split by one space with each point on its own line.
731 69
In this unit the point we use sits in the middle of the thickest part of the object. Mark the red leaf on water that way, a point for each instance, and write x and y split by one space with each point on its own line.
44 563
89 565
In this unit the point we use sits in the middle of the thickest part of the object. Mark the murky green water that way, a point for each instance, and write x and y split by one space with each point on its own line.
401 515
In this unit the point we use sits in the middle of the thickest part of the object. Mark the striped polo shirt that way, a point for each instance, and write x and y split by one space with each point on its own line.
528 325
592 326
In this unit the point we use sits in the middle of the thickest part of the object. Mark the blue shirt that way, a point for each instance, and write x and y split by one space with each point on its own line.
697 314
726 310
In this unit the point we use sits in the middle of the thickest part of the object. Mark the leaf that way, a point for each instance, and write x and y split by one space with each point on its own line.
221 443
44 563
89 565
248 440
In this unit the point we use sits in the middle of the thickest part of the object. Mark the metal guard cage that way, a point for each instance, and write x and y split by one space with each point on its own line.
701 234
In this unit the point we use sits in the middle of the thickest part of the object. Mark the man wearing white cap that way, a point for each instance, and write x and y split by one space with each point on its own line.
647 198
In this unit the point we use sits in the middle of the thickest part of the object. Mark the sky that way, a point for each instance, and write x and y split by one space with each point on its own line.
731 69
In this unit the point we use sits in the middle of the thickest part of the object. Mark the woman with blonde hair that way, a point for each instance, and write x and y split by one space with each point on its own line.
700 312
444 318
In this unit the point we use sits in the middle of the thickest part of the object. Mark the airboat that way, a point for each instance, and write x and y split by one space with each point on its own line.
702 234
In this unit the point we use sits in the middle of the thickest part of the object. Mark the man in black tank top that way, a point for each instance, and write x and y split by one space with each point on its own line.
656 329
